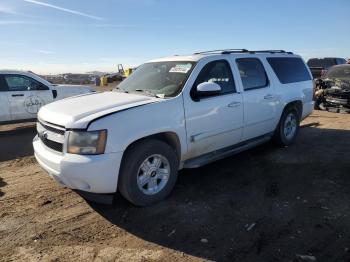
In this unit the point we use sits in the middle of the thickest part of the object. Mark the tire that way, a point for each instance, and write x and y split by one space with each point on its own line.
139 165
317 105
282 137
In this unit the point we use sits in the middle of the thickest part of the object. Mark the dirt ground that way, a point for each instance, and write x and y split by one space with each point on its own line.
266 204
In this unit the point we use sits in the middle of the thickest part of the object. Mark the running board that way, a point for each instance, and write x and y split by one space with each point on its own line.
225 152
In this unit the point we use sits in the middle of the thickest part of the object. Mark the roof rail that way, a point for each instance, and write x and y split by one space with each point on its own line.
223 51
230 51
271 51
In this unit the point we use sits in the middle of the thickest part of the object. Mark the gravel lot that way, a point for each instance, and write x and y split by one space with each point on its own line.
266 204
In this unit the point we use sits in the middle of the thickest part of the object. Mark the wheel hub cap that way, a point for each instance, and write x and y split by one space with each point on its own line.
290 126
153 174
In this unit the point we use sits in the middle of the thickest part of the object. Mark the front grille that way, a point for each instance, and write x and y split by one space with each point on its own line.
336 100
53 129
52 144
51 136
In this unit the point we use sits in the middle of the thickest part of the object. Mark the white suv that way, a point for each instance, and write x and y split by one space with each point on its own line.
172 113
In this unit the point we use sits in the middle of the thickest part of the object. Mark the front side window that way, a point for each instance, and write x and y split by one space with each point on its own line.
218 72
164 79
252 73
3 85
22 83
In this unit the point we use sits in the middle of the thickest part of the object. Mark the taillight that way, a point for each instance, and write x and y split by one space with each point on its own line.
314 90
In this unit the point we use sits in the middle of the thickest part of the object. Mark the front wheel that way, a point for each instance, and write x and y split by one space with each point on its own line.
148 172
288 127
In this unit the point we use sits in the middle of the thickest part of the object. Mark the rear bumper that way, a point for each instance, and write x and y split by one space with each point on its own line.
89 173
307 109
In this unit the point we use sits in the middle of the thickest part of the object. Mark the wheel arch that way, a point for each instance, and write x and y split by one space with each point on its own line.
169 137
297 104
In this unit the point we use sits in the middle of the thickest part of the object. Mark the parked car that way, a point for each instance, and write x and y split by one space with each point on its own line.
23 93
173 113
334 89
319 66
78 79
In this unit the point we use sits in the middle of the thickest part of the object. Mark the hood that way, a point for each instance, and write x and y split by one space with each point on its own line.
78 111
79 88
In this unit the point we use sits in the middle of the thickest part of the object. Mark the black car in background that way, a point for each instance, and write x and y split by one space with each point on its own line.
319 66
333 90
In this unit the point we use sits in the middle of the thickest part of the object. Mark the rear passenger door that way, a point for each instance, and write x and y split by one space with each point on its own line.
259 98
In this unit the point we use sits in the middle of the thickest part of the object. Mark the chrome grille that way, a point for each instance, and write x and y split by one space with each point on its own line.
51 136
53 129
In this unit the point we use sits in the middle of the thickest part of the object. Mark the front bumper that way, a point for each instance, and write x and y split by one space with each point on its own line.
89 173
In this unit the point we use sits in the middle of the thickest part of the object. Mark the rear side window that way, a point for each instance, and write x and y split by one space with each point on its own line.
218 72
252 73
322 62
289 69
341 61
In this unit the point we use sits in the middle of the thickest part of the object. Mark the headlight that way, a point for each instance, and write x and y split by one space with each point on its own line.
87 142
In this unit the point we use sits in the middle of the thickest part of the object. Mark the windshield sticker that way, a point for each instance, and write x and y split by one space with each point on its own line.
181 68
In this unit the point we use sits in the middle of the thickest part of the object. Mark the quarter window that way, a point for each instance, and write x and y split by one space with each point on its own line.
22 83
252 73
218 72
289 69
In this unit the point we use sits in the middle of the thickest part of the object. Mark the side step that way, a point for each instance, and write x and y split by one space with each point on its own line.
225 152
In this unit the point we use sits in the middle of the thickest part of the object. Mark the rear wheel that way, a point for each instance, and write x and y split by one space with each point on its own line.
148 172
288 127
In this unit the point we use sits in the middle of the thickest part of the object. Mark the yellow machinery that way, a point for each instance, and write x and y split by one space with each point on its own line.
124 73
128 72
103 81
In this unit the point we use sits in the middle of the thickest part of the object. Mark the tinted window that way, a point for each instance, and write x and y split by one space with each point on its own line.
289 69
252 73
321 62
341 61
217 72
22 83
3 85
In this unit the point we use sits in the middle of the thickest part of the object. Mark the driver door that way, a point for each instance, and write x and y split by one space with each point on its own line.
25 96
213 122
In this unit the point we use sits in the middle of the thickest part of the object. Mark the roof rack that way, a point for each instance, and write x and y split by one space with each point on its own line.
223 51
230 51
271 51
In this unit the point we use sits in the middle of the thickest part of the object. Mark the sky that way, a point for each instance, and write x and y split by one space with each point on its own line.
57 36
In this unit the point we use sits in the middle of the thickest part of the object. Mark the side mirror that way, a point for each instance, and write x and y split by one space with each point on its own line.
208 89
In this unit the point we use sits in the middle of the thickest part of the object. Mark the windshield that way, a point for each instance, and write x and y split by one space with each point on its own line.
339 72
163 79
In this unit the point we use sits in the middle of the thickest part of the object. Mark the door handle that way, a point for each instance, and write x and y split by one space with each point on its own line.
234 104
269 97
14 95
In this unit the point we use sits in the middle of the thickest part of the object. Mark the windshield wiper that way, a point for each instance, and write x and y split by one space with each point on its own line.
150 93
120 89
